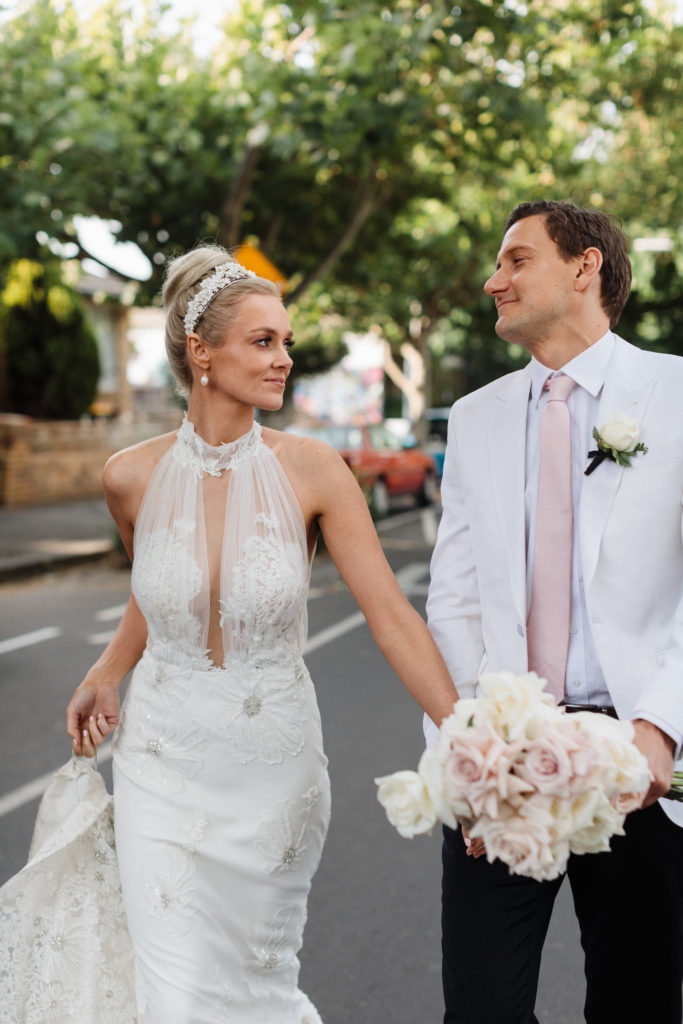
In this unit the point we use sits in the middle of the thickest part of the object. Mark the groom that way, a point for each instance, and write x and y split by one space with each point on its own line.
579 577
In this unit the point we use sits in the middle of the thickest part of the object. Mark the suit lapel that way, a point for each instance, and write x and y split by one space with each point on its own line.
507 452
627 389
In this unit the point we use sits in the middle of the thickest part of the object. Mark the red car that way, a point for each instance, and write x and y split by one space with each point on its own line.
384 466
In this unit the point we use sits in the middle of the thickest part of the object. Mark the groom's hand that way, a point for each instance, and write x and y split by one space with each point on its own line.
658 748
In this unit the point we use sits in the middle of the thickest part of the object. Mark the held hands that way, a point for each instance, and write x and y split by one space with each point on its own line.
475 847
658 748
91 716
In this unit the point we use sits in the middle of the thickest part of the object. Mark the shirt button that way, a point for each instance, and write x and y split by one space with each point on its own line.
573 630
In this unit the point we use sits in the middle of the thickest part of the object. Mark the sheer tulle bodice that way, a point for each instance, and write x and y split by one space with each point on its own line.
261 568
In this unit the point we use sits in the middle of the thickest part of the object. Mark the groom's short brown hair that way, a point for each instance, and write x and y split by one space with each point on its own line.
573 230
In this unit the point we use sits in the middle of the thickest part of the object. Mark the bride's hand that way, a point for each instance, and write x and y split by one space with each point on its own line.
475 847
91 716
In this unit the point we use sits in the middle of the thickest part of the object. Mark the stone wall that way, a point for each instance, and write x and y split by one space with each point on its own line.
42 462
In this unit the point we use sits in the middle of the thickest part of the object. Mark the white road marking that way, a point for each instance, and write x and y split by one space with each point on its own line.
97 639
326 636
107 614
410 579
15 643
430 525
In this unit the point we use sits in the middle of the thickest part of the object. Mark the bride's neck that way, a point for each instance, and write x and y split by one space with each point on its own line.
219 422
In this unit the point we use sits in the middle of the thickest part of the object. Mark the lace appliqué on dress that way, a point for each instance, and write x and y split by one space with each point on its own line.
268 588
164 756
169 883
196 454
272 953
166 579
261 709
65 953
167 687
286 837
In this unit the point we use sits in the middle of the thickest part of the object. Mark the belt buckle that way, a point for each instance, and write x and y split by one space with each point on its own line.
593 708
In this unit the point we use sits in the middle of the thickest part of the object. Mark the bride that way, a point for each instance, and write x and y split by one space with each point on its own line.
220 779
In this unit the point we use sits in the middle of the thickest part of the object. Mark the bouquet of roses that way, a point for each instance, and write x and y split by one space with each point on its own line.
533 782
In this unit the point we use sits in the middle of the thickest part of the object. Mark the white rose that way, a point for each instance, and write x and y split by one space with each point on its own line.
620 433
623 768
467 712
430 770
595 822
512 702
405 797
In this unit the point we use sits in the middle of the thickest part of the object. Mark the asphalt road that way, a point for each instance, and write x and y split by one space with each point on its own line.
371 949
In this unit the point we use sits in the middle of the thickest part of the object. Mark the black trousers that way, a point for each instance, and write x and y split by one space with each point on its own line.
629 904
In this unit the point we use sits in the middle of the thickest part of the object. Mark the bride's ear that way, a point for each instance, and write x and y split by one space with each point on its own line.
197 352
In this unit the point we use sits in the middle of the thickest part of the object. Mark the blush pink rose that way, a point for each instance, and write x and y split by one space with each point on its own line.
523 846
547 764
473 764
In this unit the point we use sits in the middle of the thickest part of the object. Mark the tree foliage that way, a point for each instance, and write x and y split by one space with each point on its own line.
372 150
50 352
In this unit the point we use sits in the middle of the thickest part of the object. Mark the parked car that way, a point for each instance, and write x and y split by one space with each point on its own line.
384 466
437 428
437 431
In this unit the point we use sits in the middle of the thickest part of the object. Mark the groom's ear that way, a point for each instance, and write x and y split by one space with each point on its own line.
588 267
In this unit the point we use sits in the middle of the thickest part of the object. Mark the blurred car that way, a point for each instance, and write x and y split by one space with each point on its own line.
384 466
437 432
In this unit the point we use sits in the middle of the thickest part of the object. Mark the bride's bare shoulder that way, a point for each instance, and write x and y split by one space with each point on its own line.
128 471
305 456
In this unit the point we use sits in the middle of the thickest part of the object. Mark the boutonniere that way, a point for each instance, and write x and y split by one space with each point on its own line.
618 440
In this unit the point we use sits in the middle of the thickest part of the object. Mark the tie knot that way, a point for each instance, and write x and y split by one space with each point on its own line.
560 387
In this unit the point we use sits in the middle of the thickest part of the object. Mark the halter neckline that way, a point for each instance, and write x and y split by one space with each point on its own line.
193 451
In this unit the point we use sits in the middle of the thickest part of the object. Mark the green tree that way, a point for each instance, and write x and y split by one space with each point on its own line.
371 150
50 353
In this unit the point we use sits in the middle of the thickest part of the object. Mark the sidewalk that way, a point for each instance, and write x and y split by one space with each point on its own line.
40 538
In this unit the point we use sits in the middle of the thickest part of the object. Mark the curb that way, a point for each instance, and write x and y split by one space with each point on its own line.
27 565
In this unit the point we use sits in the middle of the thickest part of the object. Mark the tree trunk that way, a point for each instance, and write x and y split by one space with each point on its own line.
231 213
365 203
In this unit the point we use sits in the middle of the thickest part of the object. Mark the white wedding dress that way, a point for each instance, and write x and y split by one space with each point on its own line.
221 792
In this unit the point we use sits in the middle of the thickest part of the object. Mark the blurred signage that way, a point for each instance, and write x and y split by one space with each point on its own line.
252 258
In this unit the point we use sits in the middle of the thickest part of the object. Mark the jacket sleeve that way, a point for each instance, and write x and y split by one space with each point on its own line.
660 702
453 602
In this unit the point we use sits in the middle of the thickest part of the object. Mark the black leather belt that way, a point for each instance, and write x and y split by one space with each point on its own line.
599 709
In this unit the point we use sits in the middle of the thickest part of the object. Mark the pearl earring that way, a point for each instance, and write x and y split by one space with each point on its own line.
204 380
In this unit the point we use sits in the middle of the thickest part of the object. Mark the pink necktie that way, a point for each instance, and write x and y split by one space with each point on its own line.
548 625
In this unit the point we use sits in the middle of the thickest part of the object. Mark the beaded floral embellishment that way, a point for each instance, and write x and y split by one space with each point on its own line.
223 275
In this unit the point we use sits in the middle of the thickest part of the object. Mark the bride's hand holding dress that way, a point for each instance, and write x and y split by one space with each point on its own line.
93 712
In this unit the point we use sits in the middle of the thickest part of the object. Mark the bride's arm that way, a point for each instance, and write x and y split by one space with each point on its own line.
93 711
333 498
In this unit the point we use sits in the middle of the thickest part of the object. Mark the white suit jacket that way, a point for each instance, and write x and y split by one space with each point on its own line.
631 529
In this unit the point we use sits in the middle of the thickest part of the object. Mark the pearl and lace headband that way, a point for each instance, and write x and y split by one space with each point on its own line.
224 274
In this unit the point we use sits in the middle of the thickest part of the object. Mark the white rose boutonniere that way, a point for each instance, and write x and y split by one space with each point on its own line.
618 440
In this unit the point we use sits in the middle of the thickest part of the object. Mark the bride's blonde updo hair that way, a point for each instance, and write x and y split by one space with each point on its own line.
184 276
